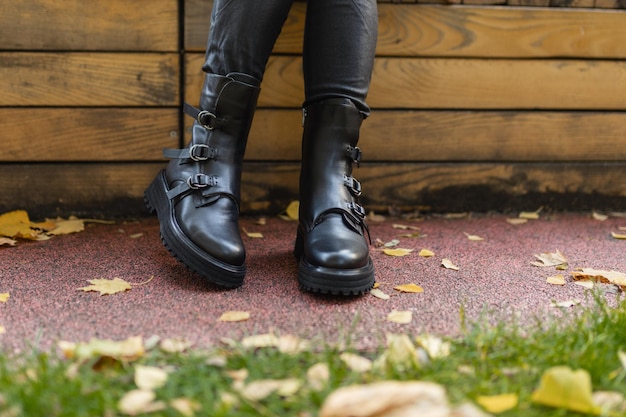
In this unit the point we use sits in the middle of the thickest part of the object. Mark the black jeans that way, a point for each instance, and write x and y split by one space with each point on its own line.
339 43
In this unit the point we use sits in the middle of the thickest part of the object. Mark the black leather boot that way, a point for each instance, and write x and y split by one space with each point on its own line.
331 244
197 196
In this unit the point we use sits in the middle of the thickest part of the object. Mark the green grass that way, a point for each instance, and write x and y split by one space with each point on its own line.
485 360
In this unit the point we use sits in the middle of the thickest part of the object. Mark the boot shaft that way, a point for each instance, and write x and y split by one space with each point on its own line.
331 133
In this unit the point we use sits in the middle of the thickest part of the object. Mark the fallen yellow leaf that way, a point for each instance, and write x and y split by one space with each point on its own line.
16 224
426 253
400 353
400 317
404 227
410 288
517 221
447 263
149 377
550 259
562 387
398 398
262 388
253 235
599 216
530 215
65 227
497 403
175 345
318 375
616 235
185 406
473 237
556 280
3 330
379 294
600 275
293 210
139 401
355 362
434 346
107 286
397 251
128 349
7 241
4 297
234 316
565 304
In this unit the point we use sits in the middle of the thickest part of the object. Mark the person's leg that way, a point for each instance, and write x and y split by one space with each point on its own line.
197 196
340 42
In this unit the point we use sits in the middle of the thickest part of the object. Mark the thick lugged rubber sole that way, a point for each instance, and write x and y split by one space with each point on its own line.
319 279
181 247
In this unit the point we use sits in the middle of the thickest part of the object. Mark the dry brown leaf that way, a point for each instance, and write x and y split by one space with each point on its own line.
426 253
376 292
447 263
600 275
387 398
550 259
397 251
400 317
261 221
410 288
234 316
474 238
556 280
4 297
107 286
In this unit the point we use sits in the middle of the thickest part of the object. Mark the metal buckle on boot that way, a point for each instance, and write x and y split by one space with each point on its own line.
207 119
353 185
357 209
201 181
354 153
201 152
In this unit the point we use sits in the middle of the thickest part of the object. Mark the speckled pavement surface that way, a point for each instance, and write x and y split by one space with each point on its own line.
45 304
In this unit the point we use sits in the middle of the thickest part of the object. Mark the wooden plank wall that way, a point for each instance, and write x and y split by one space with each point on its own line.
475 107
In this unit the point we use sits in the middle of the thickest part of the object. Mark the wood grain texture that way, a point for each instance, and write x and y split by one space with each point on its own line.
464 31
441 83
89 79
90 134
94 25
117 188
463 136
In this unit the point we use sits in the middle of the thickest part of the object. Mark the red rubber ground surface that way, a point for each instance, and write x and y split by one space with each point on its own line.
45 304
